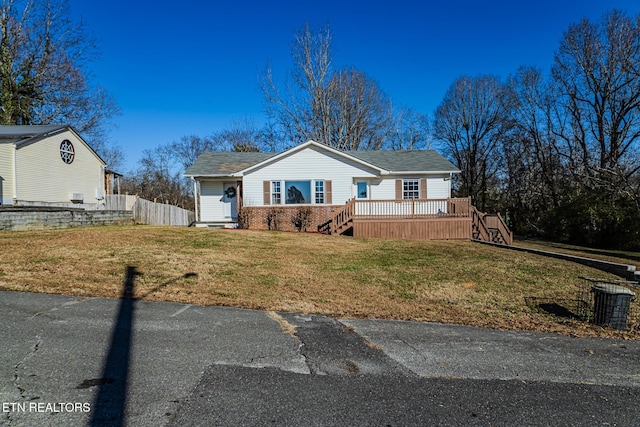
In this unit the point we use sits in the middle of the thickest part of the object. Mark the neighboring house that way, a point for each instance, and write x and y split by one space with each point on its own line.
49 165
333 191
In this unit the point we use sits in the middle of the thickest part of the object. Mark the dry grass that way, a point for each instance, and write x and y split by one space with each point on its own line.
438 281
621 257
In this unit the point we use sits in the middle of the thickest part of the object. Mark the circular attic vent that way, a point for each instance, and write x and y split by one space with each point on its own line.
66 152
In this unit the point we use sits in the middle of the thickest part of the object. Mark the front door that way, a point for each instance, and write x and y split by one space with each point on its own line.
230 200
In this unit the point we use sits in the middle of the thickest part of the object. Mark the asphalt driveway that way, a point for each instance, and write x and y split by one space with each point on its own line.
68 361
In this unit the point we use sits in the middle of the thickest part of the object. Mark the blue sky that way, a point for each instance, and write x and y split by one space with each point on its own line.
191 67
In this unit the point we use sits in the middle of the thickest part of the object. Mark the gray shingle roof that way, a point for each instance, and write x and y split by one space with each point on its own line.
225 163
17 133
406 160
228 163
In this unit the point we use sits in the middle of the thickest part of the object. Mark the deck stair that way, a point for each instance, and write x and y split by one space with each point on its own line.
341 221
490 228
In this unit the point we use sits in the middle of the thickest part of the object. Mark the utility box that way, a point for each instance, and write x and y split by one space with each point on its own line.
611 305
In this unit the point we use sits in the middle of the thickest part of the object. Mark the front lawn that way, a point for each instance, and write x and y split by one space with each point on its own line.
438 281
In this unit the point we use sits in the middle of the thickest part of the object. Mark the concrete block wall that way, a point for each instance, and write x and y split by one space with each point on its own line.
42 219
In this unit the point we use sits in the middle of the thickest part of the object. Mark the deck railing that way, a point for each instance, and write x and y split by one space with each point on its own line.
342 216
496 222
412 208
485 227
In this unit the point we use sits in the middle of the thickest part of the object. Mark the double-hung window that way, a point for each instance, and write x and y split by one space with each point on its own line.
410 189
319 192
276 194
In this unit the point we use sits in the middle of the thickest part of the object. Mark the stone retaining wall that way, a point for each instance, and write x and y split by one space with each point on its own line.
47 219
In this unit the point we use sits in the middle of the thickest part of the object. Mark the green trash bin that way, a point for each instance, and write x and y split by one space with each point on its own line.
611 305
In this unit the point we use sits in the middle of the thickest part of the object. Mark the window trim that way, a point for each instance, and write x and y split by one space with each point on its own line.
316 193
276 196
366 190
319 194
67 152
408 192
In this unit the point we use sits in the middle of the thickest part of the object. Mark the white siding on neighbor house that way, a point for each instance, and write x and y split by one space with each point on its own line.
43 176
6 173
211 206
310 163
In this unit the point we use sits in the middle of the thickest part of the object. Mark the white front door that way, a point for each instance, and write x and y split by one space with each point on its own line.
230 200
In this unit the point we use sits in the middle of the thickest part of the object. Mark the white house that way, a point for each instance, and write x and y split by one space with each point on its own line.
389 194
314 175
48 165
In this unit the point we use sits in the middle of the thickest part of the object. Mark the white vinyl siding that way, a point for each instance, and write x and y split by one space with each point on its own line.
42 175
438 187
211 205
310 164
6 173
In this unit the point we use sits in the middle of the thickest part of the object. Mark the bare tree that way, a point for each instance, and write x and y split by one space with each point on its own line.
187 150
159 178
411 131
343 108
43 77
241 135
597 75
360 114
472 121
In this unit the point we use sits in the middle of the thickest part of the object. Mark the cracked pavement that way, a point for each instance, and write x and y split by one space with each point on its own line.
190 365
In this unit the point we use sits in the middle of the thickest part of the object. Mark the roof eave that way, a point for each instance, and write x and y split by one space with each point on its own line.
423 172
311 143
218 175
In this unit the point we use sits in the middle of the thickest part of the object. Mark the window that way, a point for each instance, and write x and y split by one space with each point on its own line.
67 152
276 195
320 192
361 190
410 189
298 192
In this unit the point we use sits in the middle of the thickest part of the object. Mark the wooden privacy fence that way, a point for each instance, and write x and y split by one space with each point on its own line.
147 212
119 202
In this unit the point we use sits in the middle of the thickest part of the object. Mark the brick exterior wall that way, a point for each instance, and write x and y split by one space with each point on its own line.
258 217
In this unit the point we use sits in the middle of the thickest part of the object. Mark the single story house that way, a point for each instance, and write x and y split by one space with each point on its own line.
48 165
312 186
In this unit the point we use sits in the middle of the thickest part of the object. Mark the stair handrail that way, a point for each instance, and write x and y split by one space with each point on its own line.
481 225
507 234
343 215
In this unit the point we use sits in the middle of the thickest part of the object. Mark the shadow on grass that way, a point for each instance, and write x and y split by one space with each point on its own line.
553 307
110 401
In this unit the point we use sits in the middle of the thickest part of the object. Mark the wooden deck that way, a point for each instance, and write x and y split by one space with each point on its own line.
425 219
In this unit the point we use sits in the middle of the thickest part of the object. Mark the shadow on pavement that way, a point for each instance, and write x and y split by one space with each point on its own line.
110 402
108 408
